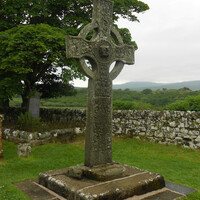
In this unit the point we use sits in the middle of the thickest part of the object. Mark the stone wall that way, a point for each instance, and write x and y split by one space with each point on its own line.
52 115
167 127
37 138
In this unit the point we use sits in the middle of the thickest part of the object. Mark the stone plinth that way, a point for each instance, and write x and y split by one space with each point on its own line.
130 181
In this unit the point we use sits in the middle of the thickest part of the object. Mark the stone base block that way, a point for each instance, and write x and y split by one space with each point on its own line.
131 181
99 173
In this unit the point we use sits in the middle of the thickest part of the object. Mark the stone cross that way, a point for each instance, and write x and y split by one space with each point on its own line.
104 48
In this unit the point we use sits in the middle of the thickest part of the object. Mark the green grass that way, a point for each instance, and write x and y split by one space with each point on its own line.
178 165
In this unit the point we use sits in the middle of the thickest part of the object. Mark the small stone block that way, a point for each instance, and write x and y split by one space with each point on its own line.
75 172
24 149
104 173
99 173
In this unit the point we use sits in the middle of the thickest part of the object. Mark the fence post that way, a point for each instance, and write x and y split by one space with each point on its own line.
1 150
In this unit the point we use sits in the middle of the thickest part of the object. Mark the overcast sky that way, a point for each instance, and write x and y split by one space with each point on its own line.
168 37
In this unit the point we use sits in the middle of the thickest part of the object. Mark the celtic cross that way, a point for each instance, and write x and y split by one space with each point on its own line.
105 47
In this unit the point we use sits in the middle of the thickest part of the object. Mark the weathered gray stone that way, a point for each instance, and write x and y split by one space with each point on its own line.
192 145
99 173
15 133
24 149
132 181
198 145
30 136
187 137
142 134
181 125
172 124
178 139
101 51
198 121
75 172
154 128
198 139
34 105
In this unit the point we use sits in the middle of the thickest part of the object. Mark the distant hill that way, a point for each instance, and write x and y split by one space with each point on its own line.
139 86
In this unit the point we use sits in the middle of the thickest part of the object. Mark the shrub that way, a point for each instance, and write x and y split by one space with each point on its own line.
130 105
27 122
189 104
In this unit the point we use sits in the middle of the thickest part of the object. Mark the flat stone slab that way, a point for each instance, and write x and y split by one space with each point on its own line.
179 188
38 192
166 195
133 181
162 194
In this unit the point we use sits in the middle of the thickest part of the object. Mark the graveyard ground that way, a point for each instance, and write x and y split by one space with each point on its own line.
176 164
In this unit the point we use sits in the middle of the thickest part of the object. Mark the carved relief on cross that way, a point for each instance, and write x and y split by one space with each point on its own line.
80 48
105 47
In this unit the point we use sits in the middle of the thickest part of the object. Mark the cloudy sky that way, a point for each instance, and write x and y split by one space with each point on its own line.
168 37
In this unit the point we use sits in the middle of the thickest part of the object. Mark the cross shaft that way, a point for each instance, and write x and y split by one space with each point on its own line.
101 51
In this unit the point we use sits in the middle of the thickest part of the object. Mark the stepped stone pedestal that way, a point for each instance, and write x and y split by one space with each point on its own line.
111 181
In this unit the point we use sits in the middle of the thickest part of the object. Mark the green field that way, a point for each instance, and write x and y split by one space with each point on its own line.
146 99
176 164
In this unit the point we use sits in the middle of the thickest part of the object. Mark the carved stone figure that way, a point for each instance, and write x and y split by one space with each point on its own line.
105 47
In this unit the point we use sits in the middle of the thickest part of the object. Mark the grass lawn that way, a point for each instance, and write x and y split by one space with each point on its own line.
178 165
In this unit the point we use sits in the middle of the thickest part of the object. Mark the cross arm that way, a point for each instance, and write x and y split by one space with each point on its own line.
78 47
125 54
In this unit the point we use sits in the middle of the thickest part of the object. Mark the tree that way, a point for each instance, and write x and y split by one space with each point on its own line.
185 89
10 84
147 91
33 53
68 15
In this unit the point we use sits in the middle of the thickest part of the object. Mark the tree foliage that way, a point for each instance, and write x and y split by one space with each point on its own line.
31 52
70 15
131 105
127 99
188 104
67 14
159 98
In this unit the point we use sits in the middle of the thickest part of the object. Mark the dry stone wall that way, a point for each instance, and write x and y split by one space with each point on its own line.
75 116
39 138
167 127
